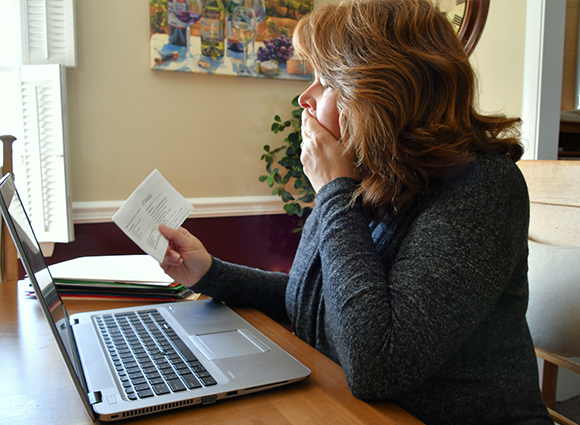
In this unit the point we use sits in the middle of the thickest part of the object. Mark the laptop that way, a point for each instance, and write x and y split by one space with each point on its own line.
134 361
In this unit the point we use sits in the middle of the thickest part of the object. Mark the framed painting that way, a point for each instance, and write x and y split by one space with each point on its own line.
249 38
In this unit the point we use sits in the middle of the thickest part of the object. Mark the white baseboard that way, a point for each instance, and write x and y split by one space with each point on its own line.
102 211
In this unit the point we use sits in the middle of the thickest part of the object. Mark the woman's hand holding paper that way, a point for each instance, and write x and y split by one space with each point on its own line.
186 259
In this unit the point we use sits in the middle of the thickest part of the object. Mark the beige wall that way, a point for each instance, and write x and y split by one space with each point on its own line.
499 57
570 56
204 132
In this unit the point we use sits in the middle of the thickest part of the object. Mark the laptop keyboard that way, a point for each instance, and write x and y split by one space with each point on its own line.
149 357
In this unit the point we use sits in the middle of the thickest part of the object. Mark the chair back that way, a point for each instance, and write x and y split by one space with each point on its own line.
554 260
554 188
8 255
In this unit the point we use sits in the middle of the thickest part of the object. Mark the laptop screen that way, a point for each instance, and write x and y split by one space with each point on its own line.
37 270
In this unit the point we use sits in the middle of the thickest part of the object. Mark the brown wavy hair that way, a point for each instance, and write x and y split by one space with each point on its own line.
406 91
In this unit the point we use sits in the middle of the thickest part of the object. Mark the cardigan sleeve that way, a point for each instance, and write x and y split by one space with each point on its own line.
244 286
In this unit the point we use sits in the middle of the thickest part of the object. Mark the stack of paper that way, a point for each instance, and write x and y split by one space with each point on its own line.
135 277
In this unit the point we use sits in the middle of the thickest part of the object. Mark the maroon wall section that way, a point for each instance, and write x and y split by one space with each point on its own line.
262 241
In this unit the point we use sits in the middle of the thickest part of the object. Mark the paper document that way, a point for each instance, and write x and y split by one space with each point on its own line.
113 268
154 202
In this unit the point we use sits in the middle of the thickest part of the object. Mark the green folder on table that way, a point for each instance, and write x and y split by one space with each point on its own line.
117 277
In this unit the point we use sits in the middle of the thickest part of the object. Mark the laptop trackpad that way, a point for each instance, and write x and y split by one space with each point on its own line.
223 345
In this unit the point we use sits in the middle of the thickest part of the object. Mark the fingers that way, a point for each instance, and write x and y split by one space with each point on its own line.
167 231
314 133
172 258
164 229
310 127
323 157
177 238
180 237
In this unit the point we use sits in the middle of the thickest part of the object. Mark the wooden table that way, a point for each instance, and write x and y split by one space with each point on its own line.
35 387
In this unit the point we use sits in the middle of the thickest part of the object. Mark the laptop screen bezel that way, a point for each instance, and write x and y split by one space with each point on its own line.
7 187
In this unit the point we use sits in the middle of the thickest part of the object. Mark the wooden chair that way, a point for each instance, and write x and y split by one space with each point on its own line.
554 269
9 257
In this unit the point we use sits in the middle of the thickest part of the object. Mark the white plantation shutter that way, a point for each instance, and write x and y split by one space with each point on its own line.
48 33
41 152
33 108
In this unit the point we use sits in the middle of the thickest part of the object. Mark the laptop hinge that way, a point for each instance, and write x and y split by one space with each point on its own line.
71 322
95 397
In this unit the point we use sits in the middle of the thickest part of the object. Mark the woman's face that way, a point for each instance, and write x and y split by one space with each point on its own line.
320 101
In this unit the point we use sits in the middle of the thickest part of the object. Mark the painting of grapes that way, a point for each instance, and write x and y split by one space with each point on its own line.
248 38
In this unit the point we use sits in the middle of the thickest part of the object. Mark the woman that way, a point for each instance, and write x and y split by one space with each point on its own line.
411 271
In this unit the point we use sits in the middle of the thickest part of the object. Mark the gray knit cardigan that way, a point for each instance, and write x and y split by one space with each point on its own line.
427 310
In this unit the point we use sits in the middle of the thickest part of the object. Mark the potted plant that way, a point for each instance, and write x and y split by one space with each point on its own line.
289 181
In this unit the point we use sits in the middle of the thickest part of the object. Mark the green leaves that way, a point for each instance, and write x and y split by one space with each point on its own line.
288 157
271 178
297 105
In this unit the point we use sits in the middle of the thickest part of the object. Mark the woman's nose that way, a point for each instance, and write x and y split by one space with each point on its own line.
305 99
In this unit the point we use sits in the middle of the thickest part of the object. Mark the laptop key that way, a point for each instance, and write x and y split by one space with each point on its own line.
149 370
170 376
183 371
145 393
184 350
160 389
180 365
176 385
207 381
141 387
191 381
165 367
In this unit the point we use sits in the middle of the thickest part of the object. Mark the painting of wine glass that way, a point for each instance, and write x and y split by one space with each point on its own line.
247 38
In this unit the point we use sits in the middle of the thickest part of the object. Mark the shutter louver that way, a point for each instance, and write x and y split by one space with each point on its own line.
40 166
48 32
